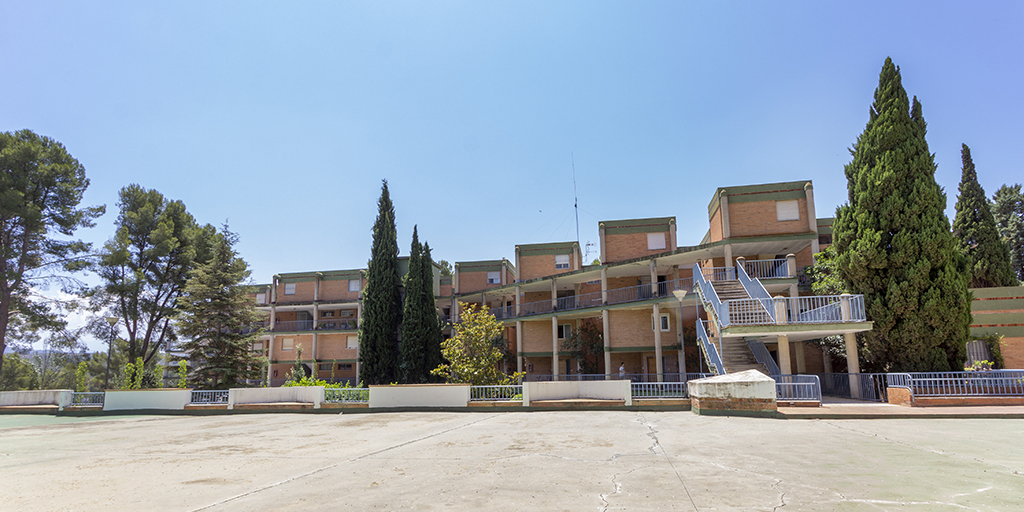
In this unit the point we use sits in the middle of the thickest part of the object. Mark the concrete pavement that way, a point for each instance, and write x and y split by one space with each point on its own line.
565 460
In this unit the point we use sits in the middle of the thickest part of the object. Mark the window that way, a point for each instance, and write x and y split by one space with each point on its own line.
561 261
665 323
287 344
345 366
655 241
352 342
327 314
564 331
353 285
324 367
289 288
261 298
257 346
787 210
494 278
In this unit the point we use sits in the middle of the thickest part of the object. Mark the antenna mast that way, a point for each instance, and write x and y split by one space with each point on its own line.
575 199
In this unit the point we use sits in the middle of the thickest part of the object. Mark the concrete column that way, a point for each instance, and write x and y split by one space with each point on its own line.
852 363
801 364
273 316
600 235
554 347
455 279
723 204
657 344
519 267
740 262
315 367
844 306
455 311
273 291
679 336
606 335
359 314
672 235
826 360
519 346
780 310
519 300
812 221
273 303
794 290
502 275
554 295
604 286
654 278
316 316
270 359
728 257
316 288
791 265
784 365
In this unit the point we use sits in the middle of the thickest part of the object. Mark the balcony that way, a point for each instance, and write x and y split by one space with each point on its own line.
637 293
307 325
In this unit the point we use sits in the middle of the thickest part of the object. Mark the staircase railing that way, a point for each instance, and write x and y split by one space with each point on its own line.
709 296
763 356
710 352
756 291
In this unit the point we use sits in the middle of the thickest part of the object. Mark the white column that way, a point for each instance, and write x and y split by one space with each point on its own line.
604 286
812 221
723 204
519 300
554 346
852 363
519 346
679 335
554 295
606 334
654 278
728 258
270 359
658 364
784 365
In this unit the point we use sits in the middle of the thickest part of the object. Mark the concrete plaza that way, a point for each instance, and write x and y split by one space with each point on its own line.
564 460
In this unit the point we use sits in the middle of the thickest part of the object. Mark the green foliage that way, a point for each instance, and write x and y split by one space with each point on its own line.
988 258
893 241
1008 211
446 268
17 374
586 346
216 313
382 302
992 341
298 372
41 185
421 334
979 366
131 374
471 353
81 377
312 381
182 374
146 265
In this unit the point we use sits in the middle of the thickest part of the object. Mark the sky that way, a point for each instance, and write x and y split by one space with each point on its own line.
486 118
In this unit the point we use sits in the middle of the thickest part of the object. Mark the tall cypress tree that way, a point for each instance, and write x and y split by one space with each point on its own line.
894 243
988 258
1008 210
382 303
432 344
413 335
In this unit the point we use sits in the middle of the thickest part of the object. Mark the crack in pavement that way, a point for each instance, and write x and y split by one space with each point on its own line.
331 466
782 495
657 444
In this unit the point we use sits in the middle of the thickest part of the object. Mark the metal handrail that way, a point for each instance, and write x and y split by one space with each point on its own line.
777 268
506 393
88 399
983 383
209 397
709 296
764 357
659 390
756 291
346 395
797 388
710 352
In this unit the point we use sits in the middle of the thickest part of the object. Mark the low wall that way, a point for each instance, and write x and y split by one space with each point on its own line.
420 395
568 390
58 397
139 399
749 393
292 394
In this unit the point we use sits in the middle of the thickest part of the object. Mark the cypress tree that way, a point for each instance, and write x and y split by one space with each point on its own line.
413 336
1008 210
432 345
987 257
894 245
382 303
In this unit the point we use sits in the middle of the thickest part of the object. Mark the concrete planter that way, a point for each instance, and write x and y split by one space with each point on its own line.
297 394
58 397
174 399
569 390
420 395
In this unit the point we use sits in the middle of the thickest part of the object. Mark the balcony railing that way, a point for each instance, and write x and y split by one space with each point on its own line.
711 356
797 388
589 300
767 269
87 399
209 397
307 325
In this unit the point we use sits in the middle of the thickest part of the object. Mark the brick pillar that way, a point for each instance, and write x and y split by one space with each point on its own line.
606 334
657 344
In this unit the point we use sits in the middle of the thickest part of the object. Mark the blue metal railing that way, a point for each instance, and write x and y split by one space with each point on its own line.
88 399
767 269
710 352
984 383
756 291
593 299
709 296
860 386
763 356
797 388
209 397
508 393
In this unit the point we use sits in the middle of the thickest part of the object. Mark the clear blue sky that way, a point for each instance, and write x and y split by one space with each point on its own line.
283 117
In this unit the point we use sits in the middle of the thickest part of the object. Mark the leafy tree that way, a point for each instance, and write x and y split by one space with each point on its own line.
1008 210
41 185
894 245
145 266
17 374
446 268
382 302
471 352
825 280
216 309
988 258
586 346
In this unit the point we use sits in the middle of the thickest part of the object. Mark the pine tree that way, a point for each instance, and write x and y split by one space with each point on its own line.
216 314
382 302
413 336
1008 210
894 243
988 258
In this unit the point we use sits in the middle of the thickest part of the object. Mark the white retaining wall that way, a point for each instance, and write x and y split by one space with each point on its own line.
138 399
420 395
301 394
566 390
59 397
